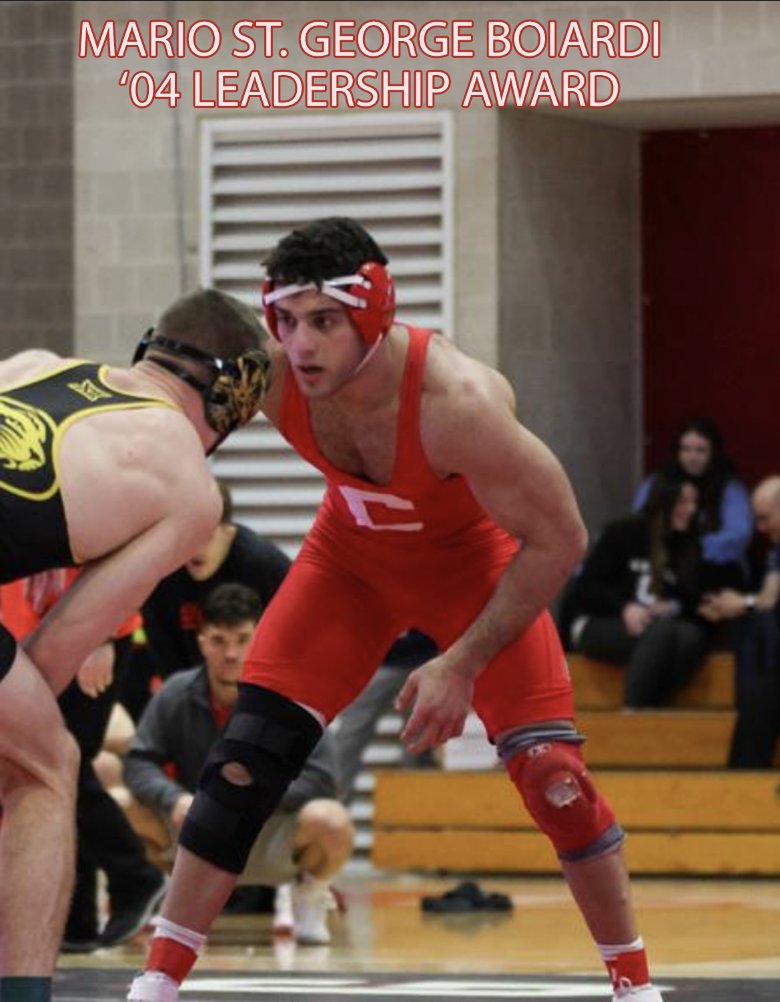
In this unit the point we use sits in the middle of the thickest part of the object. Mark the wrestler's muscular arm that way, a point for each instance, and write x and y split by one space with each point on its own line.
469 427
169 519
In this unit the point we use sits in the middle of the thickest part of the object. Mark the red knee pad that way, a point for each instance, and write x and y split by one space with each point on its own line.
561 798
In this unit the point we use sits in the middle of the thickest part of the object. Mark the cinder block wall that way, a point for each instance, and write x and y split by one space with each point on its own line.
36 176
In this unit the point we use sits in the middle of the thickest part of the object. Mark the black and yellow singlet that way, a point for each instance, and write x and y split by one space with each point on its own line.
33 418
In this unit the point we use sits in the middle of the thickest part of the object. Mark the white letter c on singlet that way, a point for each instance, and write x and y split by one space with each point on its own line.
357 501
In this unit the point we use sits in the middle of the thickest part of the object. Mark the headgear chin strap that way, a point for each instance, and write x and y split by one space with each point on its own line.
231 397
369 296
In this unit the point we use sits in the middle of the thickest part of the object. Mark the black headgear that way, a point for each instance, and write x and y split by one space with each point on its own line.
232 397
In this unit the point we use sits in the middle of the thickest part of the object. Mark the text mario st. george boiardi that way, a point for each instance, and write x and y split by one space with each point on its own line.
387 85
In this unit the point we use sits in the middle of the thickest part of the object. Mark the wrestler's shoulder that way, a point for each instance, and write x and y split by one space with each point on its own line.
28 364
455 380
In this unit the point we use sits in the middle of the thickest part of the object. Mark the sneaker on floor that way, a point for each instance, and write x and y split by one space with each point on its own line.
130 915
153 986
79 945
468 896
284 923
642 993
310 899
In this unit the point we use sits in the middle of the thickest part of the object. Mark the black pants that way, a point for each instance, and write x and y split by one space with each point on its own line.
758 693
105 838
135 685
658 663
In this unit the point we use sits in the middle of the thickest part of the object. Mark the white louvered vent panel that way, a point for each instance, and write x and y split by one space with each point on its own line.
274 491
262 177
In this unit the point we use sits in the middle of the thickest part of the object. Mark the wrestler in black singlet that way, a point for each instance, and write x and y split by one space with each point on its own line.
33 418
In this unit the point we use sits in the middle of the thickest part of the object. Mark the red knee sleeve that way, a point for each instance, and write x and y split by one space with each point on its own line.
561 798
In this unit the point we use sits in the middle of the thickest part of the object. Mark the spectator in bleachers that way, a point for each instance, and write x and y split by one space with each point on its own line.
724 516
234 553
634 601
757 728
172 613
309 837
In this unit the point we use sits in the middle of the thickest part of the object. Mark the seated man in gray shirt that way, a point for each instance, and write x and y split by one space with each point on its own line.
310 836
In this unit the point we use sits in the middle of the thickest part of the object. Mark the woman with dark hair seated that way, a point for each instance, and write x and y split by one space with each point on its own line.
725 516
634 601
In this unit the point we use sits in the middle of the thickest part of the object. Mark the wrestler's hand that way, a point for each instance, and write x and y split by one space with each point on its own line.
440 696
97 672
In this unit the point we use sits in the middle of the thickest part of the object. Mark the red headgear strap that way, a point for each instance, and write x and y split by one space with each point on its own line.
369 296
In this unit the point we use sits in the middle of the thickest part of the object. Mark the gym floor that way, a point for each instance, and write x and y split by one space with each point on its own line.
709 940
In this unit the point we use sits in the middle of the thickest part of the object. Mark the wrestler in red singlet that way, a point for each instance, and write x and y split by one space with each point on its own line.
380 559
431 483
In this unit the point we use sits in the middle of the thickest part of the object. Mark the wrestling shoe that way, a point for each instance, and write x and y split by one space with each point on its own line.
131 913
284 922
79 945
642 993
153 986
310 901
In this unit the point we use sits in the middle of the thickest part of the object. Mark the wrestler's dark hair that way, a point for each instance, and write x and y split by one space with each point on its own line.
324 248
212 321
230 604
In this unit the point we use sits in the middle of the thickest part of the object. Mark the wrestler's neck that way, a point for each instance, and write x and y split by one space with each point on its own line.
375 383
147 379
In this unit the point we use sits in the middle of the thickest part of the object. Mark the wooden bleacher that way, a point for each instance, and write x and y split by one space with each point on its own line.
663 771
599 686
657 738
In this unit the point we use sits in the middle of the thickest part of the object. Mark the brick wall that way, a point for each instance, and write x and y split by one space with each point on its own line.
36 176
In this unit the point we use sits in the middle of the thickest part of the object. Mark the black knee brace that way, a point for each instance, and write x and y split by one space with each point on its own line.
7 651
271 737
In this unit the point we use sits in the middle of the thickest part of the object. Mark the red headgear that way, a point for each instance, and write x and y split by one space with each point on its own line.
369 296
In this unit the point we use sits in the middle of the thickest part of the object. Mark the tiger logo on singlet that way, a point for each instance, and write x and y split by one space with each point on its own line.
26 435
